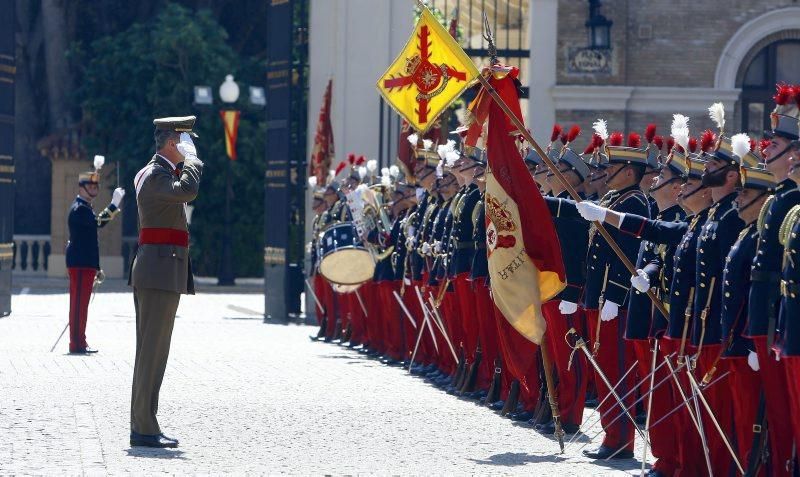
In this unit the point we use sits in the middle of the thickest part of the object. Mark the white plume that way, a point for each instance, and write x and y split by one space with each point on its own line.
99 162
394 171
312 181
451 157
439 170
740 143
362 172
412 138
331 174
717 114
384 171
601 128
680 131
427 144
386 181
372 165
444 149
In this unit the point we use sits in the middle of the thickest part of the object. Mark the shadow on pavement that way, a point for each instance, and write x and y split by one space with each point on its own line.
518 458
154 453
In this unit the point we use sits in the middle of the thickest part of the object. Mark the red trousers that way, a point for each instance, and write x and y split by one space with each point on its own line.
520 362
663 438
776 391
746 386
319 284
334 309
484 311
614 357
80 291
791 366
449 314
425 349
467 315
571 383
719 399
391 318
372 320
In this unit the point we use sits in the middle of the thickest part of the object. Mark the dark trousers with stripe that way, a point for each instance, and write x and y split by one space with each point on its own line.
80 291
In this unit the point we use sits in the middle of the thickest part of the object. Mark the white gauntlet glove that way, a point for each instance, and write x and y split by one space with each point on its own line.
426 248
641 281
117 196
609 312
752 361
591 212
567 307
186 147
437 247
410 241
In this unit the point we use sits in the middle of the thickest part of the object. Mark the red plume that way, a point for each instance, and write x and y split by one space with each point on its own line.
590 148
634 140
563 138
351 158
556 132
670 143
783 94
659 142
763 145
615 139
707 140
360 160
650 133
597 140
752 144
796 89
340 167
574 131
693 144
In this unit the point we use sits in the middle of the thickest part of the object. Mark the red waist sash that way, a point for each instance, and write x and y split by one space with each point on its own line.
158 236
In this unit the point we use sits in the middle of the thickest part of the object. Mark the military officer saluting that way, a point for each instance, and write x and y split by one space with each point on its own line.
161 270
83 252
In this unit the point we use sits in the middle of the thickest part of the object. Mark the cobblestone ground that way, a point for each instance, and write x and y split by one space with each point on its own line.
243 397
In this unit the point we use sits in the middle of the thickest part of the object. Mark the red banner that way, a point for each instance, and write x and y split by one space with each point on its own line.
230 121
322 154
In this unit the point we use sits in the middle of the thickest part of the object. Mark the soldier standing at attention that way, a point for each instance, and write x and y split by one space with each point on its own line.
161 270
83 252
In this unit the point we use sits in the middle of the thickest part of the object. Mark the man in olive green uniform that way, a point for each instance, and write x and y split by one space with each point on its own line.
161 270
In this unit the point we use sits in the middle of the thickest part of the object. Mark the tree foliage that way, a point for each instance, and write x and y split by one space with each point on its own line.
148 71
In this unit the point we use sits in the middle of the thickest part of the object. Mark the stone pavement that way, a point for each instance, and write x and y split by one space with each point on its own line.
243 397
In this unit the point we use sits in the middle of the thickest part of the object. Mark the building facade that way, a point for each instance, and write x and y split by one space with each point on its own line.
626 61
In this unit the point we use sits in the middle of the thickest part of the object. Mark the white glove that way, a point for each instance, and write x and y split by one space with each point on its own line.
117 196
426 248
186 147
591 212
437 246
609 312
567 307
410 241
641 281
752 361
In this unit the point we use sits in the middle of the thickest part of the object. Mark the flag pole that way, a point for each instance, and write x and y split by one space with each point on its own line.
551 392
567 186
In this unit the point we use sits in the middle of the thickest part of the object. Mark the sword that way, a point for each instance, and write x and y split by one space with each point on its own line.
673 411
697 423
428 319
580 343
649 402
59 337
419 338
711 416
361 302
403 307
440 323
314 296
99 278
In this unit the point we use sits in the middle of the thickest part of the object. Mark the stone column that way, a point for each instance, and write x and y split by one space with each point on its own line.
543 43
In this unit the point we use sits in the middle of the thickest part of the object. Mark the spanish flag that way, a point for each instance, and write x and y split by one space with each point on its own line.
429 74
525 265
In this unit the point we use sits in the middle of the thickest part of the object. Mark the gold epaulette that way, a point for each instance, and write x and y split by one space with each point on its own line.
762 214
788 225
476 212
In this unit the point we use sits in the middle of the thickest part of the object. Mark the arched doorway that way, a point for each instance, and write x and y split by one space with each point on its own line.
775 63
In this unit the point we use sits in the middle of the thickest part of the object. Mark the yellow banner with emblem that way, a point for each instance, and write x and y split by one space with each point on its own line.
429 74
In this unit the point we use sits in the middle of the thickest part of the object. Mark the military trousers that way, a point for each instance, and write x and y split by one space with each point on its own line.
155 318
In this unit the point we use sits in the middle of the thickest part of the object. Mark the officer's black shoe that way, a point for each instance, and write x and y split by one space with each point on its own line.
86 350
479 394
591 402
604 452
641 419
521 416
157 440
497 405
655 473
549 428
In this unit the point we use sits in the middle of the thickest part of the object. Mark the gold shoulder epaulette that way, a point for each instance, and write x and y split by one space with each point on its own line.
788 224
476 212
762 214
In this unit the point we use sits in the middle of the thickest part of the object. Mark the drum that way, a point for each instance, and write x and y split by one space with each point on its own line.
342 289
345 261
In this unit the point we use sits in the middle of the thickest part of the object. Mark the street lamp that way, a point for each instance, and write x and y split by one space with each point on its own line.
599 27
229 94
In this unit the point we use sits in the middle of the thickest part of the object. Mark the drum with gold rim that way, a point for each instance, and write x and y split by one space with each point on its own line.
345 260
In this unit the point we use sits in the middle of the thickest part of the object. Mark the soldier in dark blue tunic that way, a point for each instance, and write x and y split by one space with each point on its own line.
83 254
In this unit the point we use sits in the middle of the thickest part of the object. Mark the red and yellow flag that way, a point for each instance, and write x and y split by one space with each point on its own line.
230 121
322 154
525 265
429 74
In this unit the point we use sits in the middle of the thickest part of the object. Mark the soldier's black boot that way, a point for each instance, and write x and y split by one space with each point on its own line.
513 399
494 389
472 375
321 333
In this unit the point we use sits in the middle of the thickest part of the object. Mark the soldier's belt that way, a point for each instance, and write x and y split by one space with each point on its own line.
789 290
160 236
465 245
762 276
